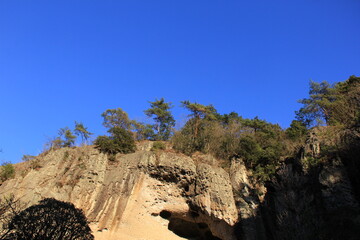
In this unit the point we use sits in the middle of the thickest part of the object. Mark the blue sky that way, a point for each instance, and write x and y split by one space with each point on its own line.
62 61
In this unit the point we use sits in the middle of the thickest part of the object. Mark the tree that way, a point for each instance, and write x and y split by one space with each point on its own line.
50 219
198 112
68 137
116 118
81 130
119 141
296 130
142 131
316 108
346 108
337 104
164 121
256 124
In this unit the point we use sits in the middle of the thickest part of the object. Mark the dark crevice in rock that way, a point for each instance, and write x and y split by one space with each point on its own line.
165 214
187 227
191 230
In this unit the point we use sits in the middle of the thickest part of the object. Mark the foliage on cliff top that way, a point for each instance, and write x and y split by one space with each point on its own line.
119 141
259 143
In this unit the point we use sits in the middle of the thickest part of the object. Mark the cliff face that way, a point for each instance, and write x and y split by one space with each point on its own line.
317 202
144 195
166 195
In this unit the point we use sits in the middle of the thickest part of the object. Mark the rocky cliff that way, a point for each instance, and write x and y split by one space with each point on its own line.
166 195
144 195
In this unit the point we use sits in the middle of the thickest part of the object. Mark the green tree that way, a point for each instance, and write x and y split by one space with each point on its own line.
296 130
199 112
164 121
119 141
315 110
256 124
81 130
66 137
116 118
337 104
142 131
346 108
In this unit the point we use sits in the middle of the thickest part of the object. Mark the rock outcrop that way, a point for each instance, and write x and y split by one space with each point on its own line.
156 195
144 195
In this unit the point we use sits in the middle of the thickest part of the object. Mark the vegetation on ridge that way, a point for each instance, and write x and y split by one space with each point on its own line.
259 143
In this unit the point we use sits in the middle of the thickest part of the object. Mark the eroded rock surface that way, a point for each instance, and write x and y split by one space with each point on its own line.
157 195
144 195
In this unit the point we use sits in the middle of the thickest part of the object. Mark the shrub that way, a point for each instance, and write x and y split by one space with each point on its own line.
50 219
158 146
310 162
119 141
35 164
26 158
7 171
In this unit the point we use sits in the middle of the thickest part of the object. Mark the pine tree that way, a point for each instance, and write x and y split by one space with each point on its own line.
164 121
68 137
81 130
198 112
116 118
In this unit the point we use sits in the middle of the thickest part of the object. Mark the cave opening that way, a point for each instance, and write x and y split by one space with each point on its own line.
187 229
165 214
191 230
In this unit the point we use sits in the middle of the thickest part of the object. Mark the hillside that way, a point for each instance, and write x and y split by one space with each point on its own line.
166 195
125 198
220 176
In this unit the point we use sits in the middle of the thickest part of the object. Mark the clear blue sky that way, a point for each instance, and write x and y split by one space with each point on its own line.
62 61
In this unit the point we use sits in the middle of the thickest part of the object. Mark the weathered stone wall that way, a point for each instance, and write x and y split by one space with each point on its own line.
132 191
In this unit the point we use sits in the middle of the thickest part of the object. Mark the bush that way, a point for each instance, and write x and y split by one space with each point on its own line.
311 162
26 158
158 146
50 219
119 141
7 171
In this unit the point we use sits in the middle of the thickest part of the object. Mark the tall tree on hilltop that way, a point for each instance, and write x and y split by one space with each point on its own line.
315 109
81 130
331 104
142 131
346 108
68 137
164 121
198 112
116 118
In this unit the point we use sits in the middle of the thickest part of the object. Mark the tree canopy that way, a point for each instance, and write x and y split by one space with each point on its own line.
119 141
66 137
81 130
164 120
116 118
331 104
